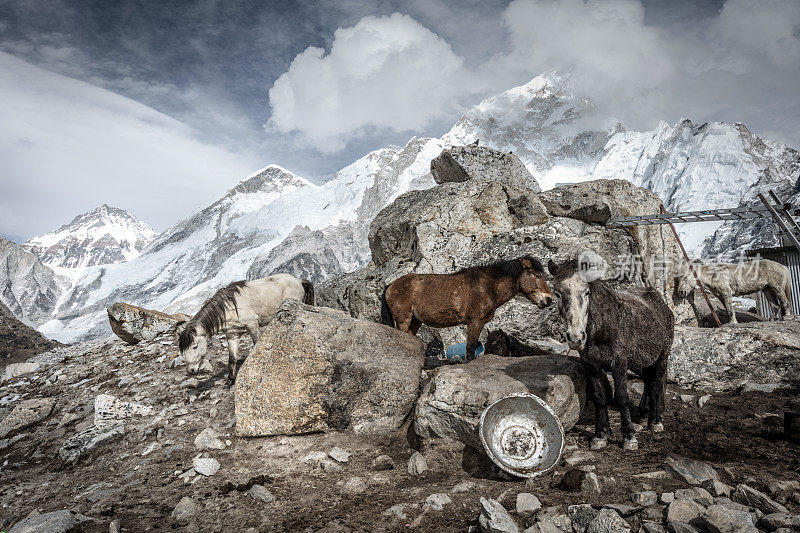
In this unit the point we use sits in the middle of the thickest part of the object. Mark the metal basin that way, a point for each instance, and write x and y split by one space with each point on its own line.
522 435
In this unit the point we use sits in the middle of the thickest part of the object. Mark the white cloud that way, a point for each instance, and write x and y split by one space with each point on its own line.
67 146
384 72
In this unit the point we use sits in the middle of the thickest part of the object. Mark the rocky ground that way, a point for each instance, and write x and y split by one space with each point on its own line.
169 459
19 341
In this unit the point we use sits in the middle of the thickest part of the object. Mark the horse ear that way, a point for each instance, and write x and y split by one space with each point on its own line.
552 267
525 262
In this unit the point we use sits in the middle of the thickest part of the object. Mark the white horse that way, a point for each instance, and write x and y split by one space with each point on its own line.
725 280
240 307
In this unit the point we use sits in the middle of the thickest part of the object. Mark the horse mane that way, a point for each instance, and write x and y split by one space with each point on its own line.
566 270
511 268
211 315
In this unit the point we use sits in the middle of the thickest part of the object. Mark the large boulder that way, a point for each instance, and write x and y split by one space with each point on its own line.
27 413
452 401
725 358
135 324
318 369
461 224
462 163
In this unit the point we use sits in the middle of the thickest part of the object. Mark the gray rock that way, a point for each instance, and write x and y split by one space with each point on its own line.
462 163
645 498
680 527
452 401
591 483
382 462
580 457
185 509
686 511
590 201
702 400
13 370
353 486
55 522
581 516
115 526
527 504
623 509
607 521
653 527
697 494
757 499
323 375
438 501
208 440
720 519
339 455
717 488
260 493
207 466
135 324
88 439
417 464
774 521
723 358
495 519
25 414
666 498
110 411
690 471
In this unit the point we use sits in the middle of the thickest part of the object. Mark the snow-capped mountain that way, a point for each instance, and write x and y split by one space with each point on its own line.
103 236
29 289
274 220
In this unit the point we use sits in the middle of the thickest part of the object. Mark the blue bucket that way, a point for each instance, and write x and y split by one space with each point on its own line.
457 352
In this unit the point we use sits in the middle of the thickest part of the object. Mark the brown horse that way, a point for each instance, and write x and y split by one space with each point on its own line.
469 296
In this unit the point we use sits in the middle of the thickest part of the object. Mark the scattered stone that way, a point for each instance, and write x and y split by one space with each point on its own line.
315 458
109 411
760 387
339 455
622 509
687 398
353 486
55 522
527 504
382 462
208 440
775 521
591 483
260 493
720 519
690 471
645 498
495 519
88 439
685 511
417 464
653 527
571 480
397 511
759 500
438 501
185 509
697 494
330 466
18 369
581 516
656 474
607 521
463 486
680 527
25 414
206 466
703 400
580 457
666 498
717 488
115 526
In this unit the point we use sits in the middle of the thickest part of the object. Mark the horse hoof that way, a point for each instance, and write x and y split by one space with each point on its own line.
598 444
657 428
630 445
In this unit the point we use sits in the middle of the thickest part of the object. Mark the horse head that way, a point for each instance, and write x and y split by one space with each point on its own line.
193 344
532 283
572 292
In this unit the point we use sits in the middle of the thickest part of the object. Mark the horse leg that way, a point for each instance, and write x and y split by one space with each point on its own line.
415 325
233 348
596 386
783 301
727 301
621 396
653 377
474 328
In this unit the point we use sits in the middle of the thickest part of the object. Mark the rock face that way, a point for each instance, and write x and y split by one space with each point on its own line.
725 358
461 163
18 341
316 369
29 289
135 324
304 253
460 224
452 401
25 414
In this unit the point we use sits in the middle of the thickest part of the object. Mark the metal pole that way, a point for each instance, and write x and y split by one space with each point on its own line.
691 269
779 220
786 211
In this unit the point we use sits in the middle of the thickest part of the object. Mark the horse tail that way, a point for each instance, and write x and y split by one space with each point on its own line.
386 313
308 289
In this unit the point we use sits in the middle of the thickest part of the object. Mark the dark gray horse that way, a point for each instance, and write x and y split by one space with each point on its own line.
616 331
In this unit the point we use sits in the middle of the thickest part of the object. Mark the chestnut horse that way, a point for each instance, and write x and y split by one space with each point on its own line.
469 296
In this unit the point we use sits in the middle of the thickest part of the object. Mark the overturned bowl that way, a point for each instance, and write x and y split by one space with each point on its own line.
522 435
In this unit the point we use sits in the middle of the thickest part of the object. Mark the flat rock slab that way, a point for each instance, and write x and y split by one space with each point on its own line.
55 522
26 414
135 324
727 357
451 403
88 439
317 369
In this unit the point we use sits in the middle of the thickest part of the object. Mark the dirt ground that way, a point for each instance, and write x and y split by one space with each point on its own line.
739 434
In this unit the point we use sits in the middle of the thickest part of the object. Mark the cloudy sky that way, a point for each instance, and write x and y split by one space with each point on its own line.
159 107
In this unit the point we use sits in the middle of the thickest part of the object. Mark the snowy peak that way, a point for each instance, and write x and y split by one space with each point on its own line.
271 179
103 236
